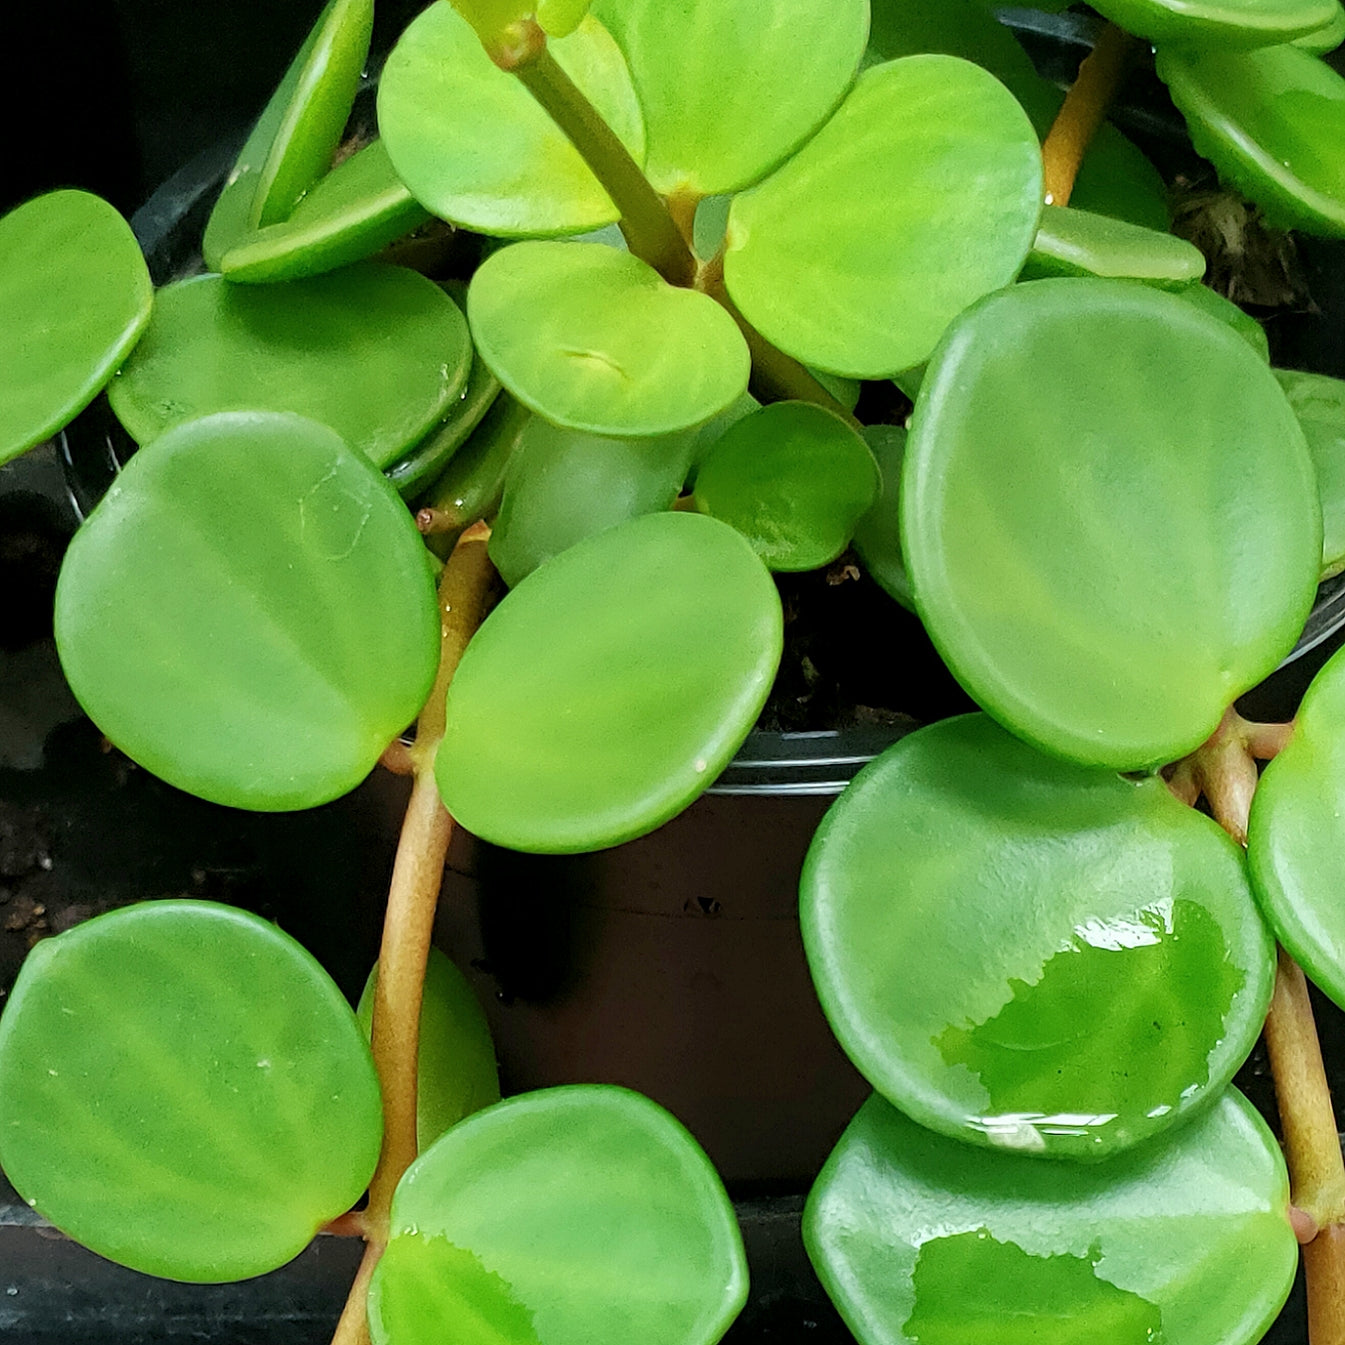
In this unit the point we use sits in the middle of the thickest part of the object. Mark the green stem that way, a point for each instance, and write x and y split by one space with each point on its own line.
651 233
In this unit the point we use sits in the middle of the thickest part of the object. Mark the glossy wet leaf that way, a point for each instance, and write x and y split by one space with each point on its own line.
475 147
1072 242
76 296
377 352
594 339
456 1072
1319 404
729 90
1214 303
794 479
1028 954
878 535
1293 843
920 1240
1201 24
1272 121
571 1216
1109 517
565 485
185 1091
920 195
292 144
610 687
432 454
356 210
276 625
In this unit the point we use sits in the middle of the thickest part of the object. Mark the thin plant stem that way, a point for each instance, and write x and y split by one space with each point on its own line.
649 228
1311 1149
464 589
1082 112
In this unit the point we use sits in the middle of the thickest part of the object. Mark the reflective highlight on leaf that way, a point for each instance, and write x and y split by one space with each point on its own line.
970 1287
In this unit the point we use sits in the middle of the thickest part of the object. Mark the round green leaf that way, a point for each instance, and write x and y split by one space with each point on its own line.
786 64
377 352
594 339
1079 243
1272 122
575 1216
275 624
1293 842
291 146
920 195
76 295
1109 517
878 534
1202 24
1319 404
1028 954
185 1091
565 485
356 210
919 1239
456 1073
474 146
610 687
794 479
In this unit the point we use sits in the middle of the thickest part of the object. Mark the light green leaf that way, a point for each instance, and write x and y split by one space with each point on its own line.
729 91
877 534
575 1216
920 1240
76 296
1084 463
1319 404
611 686
1027 954
920 195
185 1091
474 146
1073 242
1211 24
594 339
377 352
794 479
276 624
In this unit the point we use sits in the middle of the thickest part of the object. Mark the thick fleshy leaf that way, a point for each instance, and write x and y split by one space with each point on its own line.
794 479
1073 242
76 296
292 144
1210 24
574 1216
610 687
565 485
476 148
353 212
920 195
1028 954
432 454
377 352
185 1091
919 1239
1084 463
1293 842
731 90
456 1073
1326 38
1214 303
594 339
878 533
1319 404
275 624
1272 121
